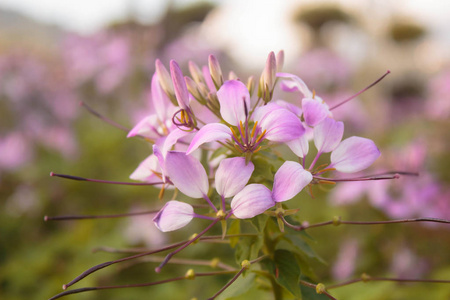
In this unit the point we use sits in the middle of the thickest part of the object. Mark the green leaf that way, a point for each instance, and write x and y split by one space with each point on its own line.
287 272
302 246
239 287
263 169
259 222
248 248
234 228
218 152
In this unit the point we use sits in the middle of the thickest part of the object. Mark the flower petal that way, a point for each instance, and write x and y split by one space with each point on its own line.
164 109
187 174
314 111
354 154
173 138
146 170
174 215
281 125
232 175
253 200
181 91
209 133
295 84
299 146
291 107
289 180
328 134
147 127
233 97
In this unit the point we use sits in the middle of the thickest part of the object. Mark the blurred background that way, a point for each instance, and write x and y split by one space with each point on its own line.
55 54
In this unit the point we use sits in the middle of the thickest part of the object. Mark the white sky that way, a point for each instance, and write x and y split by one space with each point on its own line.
251 27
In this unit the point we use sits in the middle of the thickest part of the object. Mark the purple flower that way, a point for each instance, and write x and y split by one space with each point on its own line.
315 110
255 199
271 122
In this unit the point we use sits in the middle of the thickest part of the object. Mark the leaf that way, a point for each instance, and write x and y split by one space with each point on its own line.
286 271
297 241
248 248
234 228
259 222
263 169
218 152
239 287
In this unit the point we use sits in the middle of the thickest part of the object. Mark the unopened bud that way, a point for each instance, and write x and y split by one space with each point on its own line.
232 76
365 277
165 81
216 71
193 90
215 262
336 220
196 73
251 85
179 84
280 60
270 70
190 274
193 237
246 264
320 288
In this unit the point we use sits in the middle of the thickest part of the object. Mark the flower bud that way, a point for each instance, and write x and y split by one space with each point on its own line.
179 84
165 81
280 60
216 71
251 85
196 73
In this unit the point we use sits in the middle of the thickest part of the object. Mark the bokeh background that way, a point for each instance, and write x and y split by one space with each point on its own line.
54 54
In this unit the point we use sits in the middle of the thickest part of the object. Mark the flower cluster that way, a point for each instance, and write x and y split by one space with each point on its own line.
239 147
232 124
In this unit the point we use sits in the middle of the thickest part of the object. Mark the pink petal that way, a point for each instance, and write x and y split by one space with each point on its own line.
295 84
233 97
253 200
281 126
314 111
354 154
328 134
164 109
181 91
146 170
208 79
161 161
209 133
187 174
289 180
173 138
291 107
232 175
299 146
174 215
147 127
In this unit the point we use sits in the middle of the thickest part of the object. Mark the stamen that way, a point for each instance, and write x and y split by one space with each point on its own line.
326 182
241 130
314 94
361 91
260 137
234 133
254 129
257 149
